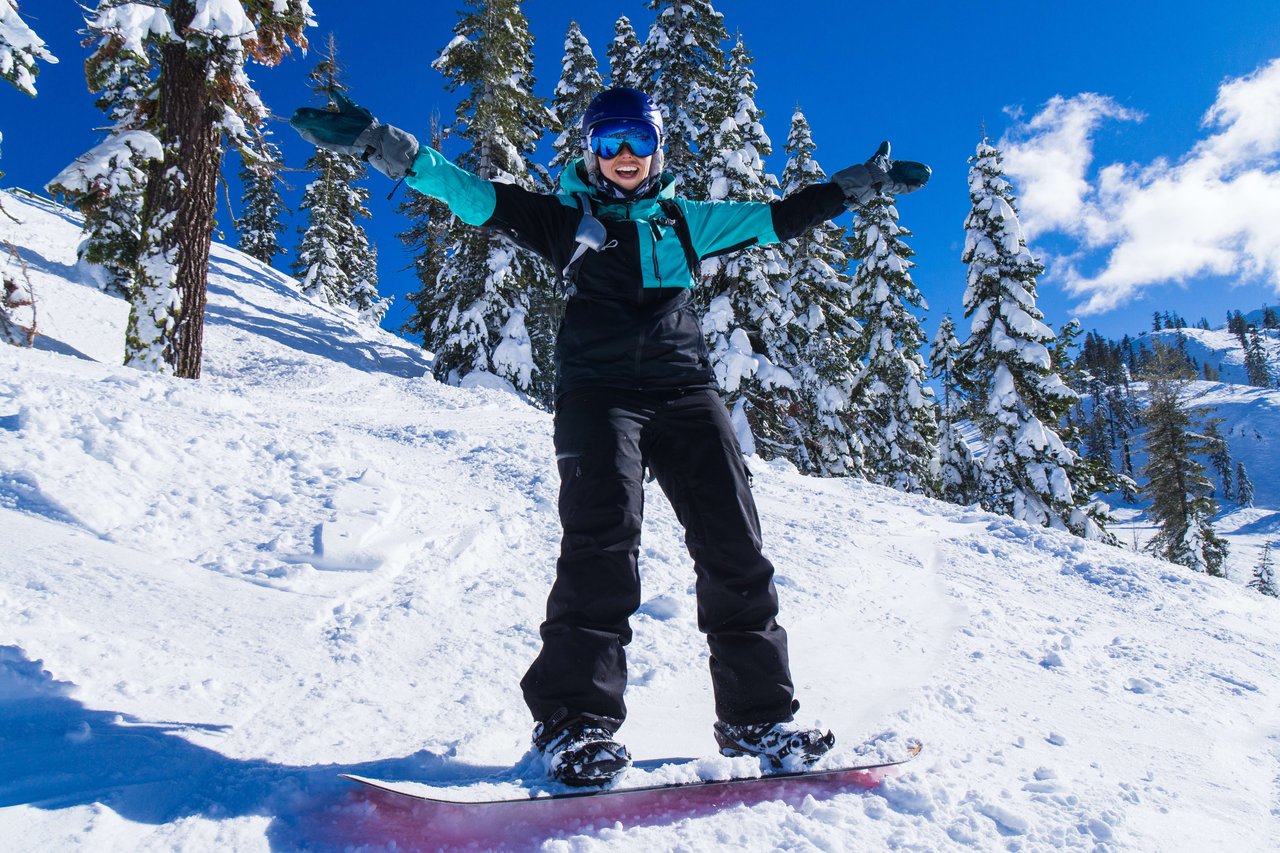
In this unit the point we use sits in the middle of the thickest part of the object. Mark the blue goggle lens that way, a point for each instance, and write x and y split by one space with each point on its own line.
608 137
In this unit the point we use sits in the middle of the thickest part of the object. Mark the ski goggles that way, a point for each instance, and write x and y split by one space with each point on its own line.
607 137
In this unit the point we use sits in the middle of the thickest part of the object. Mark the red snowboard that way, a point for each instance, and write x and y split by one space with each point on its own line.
441 819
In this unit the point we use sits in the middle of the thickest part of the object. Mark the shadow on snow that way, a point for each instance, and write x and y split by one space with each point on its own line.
59 754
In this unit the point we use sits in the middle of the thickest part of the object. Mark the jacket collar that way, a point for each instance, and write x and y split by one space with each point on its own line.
574 180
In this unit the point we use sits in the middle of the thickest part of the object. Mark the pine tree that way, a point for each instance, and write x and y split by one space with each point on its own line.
823 327
1264 576
204 102
1255 361
896 416
504 304
942 362
959 472
336 262
1092 474
1238 326
683 65
1182 505
624 56
754 281
1244 486
107 183
1219 456
259 224
1005 372
579 83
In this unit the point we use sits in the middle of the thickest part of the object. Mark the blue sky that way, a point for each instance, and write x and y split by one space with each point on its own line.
1132 199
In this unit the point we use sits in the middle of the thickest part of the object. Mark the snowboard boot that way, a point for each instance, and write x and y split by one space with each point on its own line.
786 746
579 750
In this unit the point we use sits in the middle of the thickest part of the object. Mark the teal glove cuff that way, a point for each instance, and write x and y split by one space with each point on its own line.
335 130
351 129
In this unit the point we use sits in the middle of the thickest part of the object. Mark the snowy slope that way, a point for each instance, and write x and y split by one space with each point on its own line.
1220 349
1250 424
317 560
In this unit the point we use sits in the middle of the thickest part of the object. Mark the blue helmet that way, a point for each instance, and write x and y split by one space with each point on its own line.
621 102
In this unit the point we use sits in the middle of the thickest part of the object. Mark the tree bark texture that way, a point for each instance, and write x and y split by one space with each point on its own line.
187 124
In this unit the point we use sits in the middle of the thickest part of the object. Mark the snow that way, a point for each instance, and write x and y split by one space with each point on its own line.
315 560
223 19
134 24
112 164
20 47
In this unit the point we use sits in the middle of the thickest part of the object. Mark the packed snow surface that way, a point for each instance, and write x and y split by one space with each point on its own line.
219 595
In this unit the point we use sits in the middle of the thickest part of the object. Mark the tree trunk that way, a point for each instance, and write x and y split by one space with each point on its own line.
187 126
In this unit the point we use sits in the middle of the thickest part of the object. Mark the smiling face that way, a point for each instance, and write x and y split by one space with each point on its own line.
626 170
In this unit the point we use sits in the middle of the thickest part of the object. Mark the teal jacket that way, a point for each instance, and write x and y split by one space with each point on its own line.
630 321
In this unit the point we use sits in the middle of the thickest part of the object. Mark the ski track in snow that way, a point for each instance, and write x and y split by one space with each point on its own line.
317 561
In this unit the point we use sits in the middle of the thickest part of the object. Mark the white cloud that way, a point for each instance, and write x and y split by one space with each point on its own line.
1049 156
1216 211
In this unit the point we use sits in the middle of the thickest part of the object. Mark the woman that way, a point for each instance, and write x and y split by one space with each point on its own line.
635 390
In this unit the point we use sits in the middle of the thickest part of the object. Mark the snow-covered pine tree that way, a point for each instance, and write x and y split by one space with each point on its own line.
579 83
896 418
1244 486
1182 505
754 281
336 262
1004 369
106 184
1220 457
624 56
204 102
942 362
1264 576
683 65
823 328
504 304
427 240
959 472
260 225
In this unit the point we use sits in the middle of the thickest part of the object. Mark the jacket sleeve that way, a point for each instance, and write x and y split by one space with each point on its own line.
539 222
470 197
720 227
805 208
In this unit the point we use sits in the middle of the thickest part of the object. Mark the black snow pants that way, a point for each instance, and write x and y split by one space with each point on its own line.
604 439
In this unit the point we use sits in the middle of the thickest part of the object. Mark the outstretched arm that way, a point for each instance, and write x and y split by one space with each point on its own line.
534 220
718 228
352 129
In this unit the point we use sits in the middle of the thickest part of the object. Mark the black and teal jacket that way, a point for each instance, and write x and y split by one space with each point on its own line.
630 322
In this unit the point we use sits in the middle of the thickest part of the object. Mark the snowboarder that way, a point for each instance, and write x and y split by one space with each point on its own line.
634 391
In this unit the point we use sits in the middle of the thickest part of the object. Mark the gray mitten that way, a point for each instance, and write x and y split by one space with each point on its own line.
862 183
351 129
388 149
